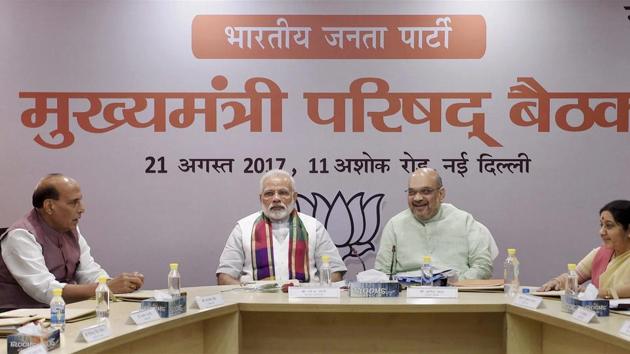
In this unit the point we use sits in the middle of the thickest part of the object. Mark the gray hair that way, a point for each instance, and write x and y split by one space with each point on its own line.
439 180
276 173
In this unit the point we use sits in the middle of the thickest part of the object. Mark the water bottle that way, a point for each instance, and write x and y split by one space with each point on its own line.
427 271
571 286
324 272
102 300
174 281
57 310
510 274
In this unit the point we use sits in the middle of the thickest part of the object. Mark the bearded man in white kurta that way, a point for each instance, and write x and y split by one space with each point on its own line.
278 243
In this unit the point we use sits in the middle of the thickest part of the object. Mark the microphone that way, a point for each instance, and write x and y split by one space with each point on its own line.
355 254
391 267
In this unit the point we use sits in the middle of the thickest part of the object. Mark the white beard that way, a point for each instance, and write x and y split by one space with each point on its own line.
279 215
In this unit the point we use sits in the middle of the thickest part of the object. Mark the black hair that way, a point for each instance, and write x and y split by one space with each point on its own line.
45 191
620 210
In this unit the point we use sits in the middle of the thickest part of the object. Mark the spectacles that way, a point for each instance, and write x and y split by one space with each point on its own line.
283 193
608 226
423 191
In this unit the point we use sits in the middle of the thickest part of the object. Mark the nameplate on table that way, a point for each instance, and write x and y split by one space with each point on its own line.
36 349
144 316
205 302
584 315
308 292
625 328
97 332
439 292
529 301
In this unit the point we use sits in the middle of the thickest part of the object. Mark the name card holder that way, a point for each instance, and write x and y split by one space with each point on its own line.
625 328
143 316
433 292
528 301
584 315
96 332
308 292
205 302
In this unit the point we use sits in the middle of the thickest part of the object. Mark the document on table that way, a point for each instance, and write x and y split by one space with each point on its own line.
620 304
479 285
136 296
552 293
72 315
10 325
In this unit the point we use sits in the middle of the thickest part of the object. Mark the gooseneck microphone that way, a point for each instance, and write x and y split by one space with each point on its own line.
391 267
355 254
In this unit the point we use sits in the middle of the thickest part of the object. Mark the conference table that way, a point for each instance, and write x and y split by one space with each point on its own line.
257 322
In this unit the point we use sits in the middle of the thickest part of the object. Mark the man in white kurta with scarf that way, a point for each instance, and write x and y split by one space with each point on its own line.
277 243
452 237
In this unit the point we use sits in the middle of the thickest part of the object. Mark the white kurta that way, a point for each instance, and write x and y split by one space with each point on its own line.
23 256
236 259
453 239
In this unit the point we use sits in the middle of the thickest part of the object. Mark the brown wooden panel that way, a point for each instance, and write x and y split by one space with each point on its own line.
372 333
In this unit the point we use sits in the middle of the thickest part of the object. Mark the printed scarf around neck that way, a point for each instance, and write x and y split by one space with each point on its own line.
262 249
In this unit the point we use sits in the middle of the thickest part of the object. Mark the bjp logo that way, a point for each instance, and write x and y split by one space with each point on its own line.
353 223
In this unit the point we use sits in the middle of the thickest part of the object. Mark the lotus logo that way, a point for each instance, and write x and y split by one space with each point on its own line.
352 223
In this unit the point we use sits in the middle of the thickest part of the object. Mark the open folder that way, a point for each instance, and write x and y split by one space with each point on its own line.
72 315
136 296
139 295
10 325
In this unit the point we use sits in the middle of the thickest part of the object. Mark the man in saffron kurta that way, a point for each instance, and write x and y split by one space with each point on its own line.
45 250
452 237
277 243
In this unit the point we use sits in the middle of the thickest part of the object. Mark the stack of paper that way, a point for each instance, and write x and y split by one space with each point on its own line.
480 285
551 293
621 304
